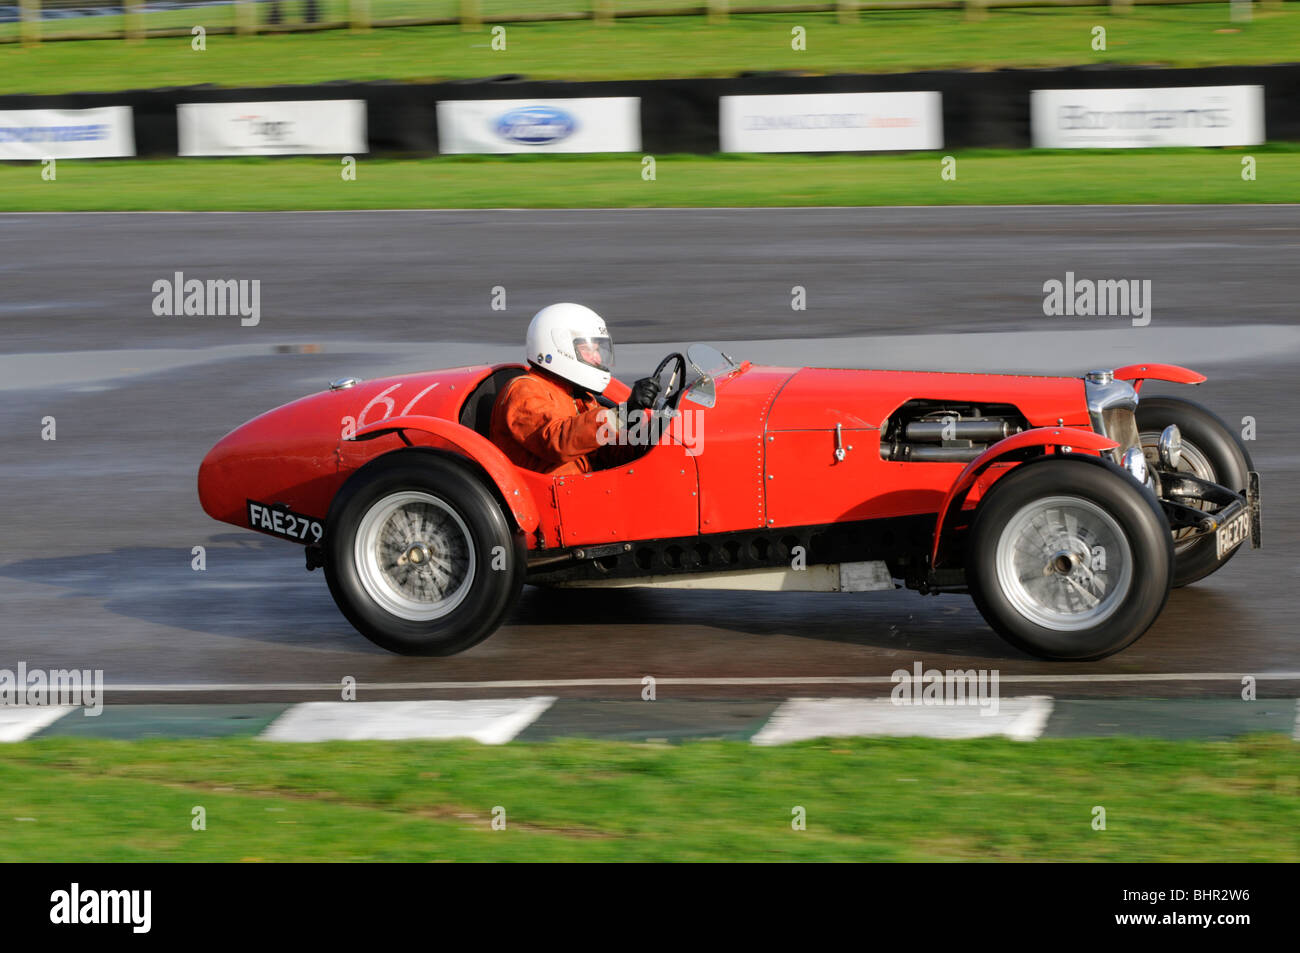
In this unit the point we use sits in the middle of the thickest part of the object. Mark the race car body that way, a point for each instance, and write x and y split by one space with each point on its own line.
1066 506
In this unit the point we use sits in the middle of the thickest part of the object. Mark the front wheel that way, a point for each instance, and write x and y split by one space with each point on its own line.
1069 560
1210 451
419 556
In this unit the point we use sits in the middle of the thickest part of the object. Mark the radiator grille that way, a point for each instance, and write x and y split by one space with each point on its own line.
1120 424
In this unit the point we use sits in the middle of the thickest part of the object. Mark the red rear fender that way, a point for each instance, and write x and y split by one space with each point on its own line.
479 449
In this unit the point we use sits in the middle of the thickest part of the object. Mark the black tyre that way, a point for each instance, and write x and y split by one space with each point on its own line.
1212 452
1069 559
420 556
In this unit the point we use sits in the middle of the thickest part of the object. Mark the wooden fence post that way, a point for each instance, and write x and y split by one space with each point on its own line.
29 21
470 17
359 14
133 21
245 16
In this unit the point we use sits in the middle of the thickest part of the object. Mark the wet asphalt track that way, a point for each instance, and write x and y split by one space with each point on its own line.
99 524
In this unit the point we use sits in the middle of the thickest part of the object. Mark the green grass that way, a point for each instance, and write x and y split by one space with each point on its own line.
665 47
983 177
896 800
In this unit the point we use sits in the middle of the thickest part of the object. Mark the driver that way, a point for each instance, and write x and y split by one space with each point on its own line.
550 419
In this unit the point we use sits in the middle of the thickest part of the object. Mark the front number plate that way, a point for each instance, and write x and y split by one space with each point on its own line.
1232 534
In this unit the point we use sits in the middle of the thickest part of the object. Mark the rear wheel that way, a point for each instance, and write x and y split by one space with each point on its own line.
1210 451
1069 560
419 556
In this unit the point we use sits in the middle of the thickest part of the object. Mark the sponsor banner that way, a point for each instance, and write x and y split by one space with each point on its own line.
301 127
607 124
831 122
1133 118
103 133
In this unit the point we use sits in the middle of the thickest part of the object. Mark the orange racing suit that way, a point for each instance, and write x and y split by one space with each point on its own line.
546 424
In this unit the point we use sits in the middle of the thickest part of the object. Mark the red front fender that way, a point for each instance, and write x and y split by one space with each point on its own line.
1042 437
1137 373
479 449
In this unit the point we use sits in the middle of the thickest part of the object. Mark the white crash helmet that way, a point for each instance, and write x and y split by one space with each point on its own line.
557 336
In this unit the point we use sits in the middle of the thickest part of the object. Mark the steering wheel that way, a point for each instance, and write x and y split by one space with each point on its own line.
671 393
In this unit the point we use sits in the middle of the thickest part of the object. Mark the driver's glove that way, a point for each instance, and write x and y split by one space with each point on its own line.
643 394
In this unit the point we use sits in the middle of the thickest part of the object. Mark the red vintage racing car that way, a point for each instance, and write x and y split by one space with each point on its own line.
1065 506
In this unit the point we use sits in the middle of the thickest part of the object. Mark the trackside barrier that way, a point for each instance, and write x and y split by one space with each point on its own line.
979 109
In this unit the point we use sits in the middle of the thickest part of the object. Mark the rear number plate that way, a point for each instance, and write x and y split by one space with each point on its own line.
1232 534
279 521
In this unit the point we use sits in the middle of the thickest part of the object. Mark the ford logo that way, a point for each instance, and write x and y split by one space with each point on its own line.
536 125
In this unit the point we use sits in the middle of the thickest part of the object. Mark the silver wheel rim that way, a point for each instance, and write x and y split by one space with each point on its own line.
1064 563
414 555
1193 462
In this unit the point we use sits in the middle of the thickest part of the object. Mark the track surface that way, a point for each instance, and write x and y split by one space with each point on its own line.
99 524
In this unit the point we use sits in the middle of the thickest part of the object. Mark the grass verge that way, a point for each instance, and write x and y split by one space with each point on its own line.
666 47
983 178
890 799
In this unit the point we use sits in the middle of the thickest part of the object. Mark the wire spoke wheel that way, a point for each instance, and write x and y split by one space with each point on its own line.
1211 451
1195 463
414 555
1069 559
419 554
1064 563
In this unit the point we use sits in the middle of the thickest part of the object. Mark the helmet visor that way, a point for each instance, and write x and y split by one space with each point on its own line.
597 352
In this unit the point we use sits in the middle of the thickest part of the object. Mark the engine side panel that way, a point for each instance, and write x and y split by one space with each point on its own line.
818 397
806 483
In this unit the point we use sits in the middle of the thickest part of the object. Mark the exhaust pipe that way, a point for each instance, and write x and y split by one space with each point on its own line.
929 454
976 431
